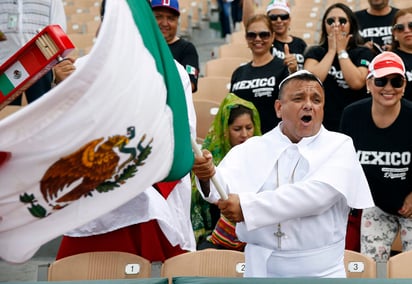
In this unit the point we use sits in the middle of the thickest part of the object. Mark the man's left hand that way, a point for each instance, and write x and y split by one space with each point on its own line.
231 209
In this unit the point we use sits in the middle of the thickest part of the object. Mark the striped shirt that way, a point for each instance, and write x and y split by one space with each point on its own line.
20 20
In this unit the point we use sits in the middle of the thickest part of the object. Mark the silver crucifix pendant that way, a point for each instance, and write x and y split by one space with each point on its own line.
279 234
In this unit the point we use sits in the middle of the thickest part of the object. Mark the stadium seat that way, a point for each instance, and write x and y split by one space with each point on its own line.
238 37
82 41
98 266
401 4
206 263
235 50
212 88
82 17
205 113
224 66
358 265
399 266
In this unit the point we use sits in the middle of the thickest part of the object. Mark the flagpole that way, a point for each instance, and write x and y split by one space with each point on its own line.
219 188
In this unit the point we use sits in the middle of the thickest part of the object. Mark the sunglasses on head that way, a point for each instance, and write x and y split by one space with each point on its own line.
263 35
274 17
331 21
396 82
401 27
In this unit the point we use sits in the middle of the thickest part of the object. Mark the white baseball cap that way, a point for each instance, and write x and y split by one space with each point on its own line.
278 4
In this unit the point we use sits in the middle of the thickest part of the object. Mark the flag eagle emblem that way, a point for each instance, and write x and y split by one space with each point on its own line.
94 167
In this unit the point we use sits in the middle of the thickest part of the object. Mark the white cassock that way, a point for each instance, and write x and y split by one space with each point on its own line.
172 214
295 199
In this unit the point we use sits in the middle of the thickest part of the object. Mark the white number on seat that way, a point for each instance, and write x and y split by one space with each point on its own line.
132 268
240 267
356 266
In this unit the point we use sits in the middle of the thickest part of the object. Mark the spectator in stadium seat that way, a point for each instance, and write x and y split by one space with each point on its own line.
287 47
340 61
224 17
379 127
258 80
375 25
167 15
236 121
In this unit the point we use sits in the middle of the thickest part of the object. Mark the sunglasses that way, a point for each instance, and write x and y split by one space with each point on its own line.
331 21
396 82
262 35
401 27
274 17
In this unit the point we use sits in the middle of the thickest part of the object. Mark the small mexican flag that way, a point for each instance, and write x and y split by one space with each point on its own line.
12 77
191 70
113 128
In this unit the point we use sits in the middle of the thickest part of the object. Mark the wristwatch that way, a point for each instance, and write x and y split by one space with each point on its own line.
343 54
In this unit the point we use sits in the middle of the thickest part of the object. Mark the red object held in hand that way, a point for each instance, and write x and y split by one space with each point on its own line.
32 61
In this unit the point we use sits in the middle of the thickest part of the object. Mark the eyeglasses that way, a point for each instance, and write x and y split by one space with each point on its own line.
396 82
401 27
263 35
274 17
331 21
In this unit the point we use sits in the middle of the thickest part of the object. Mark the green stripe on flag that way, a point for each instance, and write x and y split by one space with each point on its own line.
5 85
154 41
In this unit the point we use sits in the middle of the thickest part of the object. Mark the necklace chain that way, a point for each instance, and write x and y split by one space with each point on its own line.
279 234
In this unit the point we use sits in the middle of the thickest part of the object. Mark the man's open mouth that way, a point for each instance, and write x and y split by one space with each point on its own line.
306 118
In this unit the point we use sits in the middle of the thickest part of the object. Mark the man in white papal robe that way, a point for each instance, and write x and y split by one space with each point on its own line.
291 189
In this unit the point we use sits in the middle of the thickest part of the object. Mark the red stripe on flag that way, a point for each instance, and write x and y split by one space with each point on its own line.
4 157
165 188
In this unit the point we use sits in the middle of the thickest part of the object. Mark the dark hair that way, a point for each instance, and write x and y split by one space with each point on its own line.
355 40
237 111
306 76
400 13
102 9
259 18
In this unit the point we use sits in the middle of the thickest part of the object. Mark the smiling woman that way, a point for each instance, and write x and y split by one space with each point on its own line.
257 81
379 127
285 46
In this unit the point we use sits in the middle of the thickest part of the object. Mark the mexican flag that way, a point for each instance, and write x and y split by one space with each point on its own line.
116 126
